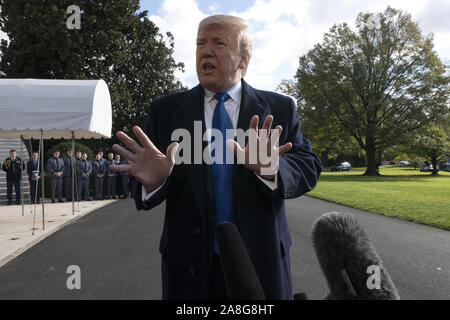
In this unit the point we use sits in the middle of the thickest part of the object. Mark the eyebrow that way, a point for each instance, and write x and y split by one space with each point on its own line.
215 39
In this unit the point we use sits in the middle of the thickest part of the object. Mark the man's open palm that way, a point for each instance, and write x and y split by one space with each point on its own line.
148 165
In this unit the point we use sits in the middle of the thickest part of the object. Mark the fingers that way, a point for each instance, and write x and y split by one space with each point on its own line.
123 152
254 124
267 125
284 148
120 168
130 143
279 128
238 151
171 152
143 138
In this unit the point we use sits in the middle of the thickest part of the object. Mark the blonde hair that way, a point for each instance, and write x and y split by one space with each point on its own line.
244 41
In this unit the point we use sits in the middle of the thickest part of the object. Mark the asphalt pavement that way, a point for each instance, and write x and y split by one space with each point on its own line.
116 250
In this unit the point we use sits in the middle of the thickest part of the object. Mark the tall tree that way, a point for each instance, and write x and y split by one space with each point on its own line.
431 142
328 138
378 82
116 42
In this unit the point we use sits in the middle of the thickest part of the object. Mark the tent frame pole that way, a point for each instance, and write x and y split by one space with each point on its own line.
42 178
72 168
37 185
21 175
31 202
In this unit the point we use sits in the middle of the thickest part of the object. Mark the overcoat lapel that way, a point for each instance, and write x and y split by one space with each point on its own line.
189 111
250 106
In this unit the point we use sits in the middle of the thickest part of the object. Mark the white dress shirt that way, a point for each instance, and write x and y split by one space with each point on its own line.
232 106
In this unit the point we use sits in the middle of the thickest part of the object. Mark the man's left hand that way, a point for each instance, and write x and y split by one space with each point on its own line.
259 144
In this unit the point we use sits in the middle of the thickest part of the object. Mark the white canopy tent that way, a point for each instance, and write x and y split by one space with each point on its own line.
44 109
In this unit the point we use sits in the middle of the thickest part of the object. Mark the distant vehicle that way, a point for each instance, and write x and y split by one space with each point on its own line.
343 166
428 168
403 164
445 166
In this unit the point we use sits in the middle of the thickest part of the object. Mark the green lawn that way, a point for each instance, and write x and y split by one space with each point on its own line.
402 193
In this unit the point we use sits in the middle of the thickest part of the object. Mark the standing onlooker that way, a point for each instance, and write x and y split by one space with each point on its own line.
55 166
34 174
111 177
103 161
84 169
68 169
125 179
98 171
78 158
13 167
119 189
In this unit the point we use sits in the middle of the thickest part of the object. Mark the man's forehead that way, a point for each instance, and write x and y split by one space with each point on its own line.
218 30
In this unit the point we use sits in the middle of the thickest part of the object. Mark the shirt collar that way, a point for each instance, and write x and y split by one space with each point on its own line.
234 92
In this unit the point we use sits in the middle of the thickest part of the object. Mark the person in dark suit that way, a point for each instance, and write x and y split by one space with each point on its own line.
103 161
34 176
78 158
124 179
84 169
13 167
55 166
119 191
111 177
200 193
69 163
98 172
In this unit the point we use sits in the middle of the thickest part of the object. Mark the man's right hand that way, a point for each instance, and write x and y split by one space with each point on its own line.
148 165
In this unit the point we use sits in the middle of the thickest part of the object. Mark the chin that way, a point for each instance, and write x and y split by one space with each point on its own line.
211 85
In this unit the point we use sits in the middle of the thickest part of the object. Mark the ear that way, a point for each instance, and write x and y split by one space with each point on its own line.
245 59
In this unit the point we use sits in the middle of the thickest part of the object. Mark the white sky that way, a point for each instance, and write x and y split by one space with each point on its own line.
283 30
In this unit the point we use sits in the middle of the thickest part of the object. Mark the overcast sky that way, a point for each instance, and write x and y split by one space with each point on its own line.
283 30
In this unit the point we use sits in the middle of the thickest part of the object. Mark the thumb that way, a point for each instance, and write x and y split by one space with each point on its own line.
171 152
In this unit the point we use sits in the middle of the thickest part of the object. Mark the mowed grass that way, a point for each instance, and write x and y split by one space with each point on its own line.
403 193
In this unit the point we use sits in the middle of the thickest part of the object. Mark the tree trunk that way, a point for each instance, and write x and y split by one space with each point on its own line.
434 163
372 167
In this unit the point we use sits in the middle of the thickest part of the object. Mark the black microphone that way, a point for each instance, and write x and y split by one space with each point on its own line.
348 259
241 280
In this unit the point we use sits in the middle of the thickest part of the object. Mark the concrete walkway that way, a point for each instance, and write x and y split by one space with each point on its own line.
16 231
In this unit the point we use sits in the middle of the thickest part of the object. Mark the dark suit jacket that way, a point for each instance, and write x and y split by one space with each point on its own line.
13 169
187 242
31 167
67 166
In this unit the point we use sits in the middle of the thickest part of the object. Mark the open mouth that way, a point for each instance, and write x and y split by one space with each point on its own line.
208 67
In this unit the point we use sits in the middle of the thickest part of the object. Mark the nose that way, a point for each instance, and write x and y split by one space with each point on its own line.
207 50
